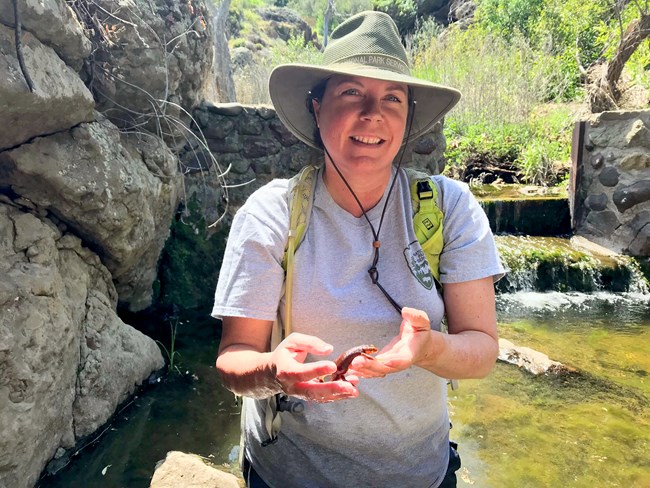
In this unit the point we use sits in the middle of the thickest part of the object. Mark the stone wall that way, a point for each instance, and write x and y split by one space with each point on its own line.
256 147
610 201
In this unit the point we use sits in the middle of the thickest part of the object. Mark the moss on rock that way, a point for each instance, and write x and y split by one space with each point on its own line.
190 262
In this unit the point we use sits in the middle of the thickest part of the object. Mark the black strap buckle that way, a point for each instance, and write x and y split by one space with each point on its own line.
424 190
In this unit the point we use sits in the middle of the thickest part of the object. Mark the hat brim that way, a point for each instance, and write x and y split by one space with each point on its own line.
289 85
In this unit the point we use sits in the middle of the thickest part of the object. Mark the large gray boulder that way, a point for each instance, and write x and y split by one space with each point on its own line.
55 24
84 208
60 99
152 64
118 193
66 359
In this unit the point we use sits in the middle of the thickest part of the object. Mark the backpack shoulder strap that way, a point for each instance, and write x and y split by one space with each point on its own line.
427 218
301 201
427 224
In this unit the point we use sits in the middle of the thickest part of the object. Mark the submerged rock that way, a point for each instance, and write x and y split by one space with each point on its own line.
191 471
534 362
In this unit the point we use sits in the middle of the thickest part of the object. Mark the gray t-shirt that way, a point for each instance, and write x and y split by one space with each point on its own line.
396 432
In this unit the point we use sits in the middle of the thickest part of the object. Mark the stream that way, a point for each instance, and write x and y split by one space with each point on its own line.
588 429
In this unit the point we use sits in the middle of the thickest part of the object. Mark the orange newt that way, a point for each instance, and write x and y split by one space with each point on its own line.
345 359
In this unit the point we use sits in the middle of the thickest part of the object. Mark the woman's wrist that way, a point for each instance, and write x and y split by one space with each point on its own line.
249 373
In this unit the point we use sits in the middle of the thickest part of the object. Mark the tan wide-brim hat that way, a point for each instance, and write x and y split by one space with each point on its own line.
367 45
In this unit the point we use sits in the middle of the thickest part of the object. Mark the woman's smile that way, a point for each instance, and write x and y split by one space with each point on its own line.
367 140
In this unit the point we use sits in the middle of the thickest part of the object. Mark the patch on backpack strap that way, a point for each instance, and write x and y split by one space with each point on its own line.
418 264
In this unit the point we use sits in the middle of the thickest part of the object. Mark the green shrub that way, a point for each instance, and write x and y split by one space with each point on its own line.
567 32
403 12
508 18
538 148
295 51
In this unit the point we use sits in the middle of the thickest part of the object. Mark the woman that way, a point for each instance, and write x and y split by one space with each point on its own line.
387 424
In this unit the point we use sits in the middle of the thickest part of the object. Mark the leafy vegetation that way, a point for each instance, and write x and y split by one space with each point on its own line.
171 353
403 12
520 65
191 258
313 11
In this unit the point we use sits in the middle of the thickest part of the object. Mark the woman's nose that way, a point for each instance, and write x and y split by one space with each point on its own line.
371 109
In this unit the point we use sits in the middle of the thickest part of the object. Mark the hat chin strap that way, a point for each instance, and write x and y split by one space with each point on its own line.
372 271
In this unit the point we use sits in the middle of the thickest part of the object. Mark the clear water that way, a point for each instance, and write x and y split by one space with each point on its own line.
591 429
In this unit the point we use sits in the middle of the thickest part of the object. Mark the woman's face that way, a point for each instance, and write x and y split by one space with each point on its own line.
362 122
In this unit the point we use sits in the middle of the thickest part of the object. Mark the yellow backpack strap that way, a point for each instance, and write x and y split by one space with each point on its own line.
301 200
427 224
427 218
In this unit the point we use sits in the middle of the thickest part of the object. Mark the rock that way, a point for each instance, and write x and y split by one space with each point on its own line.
117 193
532 361
425 144
639 135
461 11
66 359
609 176
629 196
636 161
155 64
179 469
60 99
54 24
640 225
284 23
602 222
230 109
596 202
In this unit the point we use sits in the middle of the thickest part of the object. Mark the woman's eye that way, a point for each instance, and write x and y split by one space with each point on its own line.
393 98
351 91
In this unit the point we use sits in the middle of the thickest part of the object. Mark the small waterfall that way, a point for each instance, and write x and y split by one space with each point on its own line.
564 265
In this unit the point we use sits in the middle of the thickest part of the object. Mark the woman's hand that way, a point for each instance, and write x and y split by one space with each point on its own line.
247 369
415 343
303 380
468 351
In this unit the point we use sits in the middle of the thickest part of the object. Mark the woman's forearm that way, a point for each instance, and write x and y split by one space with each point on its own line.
467 354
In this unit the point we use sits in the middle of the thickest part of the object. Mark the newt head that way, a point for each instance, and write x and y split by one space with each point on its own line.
344 361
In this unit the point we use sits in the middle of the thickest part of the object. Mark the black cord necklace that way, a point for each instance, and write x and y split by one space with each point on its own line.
372 271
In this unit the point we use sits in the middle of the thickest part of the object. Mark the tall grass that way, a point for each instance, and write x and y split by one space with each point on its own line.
251 83
503 83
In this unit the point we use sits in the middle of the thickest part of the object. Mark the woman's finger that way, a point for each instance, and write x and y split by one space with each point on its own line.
310 344
417 319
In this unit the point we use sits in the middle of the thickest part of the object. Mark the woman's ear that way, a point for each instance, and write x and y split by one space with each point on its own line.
316 110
